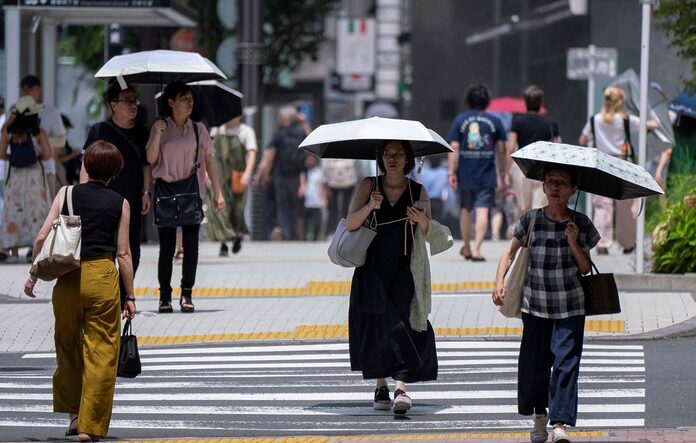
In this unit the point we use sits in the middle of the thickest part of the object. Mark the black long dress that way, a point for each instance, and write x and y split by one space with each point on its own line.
381 341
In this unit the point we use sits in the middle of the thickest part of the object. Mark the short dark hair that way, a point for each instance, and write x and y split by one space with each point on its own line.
103 161
478 96
29 81
172 92
114 90
572 172
410 159
533 98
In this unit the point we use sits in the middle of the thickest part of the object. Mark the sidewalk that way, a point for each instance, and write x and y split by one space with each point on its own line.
290 291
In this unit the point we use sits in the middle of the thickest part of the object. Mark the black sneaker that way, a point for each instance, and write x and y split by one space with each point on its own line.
382 401
237 245
224 252
3 255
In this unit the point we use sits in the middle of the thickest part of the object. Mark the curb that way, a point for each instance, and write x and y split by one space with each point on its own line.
652 281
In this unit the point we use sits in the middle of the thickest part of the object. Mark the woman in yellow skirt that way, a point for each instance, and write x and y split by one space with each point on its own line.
86 302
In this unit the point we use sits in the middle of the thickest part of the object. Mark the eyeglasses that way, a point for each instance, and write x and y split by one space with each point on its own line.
129 102
557 183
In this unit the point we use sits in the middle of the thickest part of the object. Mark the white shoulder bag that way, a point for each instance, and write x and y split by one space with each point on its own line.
60 252
514 285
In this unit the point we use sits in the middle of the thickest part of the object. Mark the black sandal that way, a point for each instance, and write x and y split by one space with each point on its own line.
71 430
90 437
165 308
186 304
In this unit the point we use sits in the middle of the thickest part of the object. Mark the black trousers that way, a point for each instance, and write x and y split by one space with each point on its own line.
136 219
167 242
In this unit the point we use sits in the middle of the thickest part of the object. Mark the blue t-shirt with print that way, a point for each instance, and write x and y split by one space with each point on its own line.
477 133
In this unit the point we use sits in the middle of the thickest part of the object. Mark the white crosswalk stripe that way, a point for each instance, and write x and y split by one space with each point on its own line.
308 388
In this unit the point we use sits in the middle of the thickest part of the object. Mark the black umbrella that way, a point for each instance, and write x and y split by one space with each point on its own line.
215 103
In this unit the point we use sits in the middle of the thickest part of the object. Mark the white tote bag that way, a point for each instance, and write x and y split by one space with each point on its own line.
60 252
349 248
518 275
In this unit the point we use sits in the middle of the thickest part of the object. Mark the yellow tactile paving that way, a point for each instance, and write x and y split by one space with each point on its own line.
341 331
411 437
313 287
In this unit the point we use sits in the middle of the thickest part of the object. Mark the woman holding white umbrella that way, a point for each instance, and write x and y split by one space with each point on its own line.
382 342
172 150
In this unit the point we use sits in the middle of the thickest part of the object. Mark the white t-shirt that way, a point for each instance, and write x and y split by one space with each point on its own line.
246 135
610 136
313 197
52 124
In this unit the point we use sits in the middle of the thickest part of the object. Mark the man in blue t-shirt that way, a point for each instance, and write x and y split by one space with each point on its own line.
478 140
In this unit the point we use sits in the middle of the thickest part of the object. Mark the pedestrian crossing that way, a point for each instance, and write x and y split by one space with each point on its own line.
309 389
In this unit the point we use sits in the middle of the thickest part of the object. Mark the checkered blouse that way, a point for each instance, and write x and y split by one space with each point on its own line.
552 289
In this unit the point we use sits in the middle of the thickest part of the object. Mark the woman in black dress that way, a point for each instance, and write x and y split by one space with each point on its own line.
382 342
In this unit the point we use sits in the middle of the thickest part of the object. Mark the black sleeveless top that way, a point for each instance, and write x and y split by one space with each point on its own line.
100 210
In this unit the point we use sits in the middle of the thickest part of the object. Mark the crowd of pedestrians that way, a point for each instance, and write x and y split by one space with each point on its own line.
303 199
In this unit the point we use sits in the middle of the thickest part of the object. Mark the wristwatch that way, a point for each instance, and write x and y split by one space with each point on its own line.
130 298
148 193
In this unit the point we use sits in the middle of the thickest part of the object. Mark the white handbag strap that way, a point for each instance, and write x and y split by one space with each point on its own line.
68 191
61 198
530 229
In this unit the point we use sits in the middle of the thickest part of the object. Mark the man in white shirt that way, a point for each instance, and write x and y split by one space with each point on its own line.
52 123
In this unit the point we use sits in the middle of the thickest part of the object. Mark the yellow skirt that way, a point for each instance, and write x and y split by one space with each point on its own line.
87 337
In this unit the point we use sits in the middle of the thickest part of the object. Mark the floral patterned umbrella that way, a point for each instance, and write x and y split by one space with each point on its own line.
599 173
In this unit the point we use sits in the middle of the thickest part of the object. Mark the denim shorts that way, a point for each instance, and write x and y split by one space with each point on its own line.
476 198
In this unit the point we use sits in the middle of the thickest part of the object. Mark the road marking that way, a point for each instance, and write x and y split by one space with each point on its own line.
313 287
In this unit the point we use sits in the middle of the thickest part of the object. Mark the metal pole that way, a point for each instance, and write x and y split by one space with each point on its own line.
642 133
590 113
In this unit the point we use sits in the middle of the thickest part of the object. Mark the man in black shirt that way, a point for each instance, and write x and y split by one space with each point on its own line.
134 181
526 129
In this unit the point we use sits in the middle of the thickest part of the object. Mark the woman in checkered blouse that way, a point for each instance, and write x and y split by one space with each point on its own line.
553 313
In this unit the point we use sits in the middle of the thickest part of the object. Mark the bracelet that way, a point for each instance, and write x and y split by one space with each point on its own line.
130 298
148 193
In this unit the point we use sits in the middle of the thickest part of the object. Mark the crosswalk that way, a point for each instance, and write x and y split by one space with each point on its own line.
308 389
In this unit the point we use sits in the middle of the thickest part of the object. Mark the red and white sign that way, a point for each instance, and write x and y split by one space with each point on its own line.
355 51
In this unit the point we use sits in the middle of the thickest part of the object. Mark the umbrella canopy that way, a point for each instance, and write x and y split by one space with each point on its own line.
663 137
213 103
359 139
684 104
159 67
512 105
599 173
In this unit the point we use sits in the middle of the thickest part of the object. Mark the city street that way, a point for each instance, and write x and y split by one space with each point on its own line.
265 355
283 389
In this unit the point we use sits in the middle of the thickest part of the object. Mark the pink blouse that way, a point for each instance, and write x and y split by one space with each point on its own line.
177 153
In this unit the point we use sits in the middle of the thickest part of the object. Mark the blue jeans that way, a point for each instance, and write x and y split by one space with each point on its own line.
547 344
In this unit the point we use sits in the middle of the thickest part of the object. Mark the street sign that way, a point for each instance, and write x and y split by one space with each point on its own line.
355 46
583 63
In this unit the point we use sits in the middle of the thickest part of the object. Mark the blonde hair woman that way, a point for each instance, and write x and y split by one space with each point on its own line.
610 130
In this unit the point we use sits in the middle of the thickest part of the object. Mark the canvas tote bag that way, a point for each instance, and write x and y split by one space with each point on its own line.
349 248
518 275
60 252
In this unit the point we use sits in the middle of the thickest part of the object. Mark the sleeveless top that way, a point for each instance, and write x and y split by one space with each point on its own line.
100 210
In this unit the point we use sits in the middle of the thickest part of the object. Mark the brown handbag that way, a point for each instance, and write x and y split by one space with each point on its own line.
236 180
601 293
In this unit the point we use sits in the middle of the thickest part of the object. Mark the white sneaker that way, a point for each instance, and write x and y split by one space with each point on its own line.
539 433
402 402
559 434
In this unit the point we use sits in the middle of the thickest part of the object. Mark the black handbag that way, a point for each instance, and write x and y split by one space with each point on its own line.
128 356
179 203
601 293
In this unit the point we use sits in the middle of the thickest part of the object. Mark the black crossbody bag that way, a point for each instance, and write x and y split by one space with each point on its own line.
179 203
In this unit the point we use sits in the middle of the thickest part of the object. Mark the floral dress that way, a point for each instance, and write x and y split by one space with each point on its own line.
26 204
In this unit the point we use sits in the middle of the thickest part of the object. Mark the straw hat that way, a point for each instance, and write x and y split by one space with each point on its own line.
26 105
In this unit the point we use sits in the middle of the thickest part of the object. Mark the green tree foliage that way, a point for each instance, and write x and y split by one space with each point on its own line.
86 45
677 18
292 31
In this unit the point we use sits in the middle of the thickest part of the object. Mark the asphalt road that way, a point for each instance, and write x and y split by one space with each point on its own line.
290 389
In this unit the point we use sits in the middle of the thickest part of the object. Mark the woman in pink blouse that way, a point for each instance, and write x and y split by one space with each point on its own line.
171 152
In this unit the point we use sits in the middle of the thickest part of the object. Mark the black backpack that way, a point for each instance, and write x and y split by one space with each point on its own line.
23 155
291 159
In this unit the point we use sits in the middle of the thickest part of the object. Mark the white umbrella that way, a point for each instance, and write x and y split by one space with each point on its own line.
599 173
159 67
359 139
